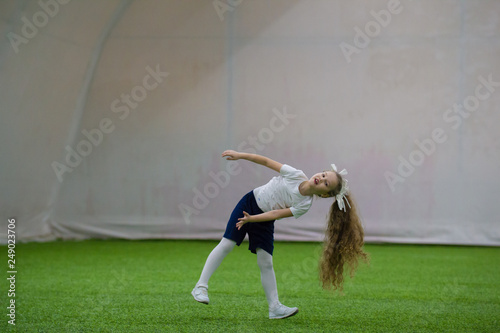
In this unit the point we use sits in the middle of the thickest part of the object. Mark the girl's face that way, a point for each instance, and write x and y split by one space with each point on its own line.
324 182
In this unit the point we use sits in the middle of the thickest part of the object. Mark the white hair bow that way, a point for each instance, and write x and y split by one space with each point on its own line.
343 190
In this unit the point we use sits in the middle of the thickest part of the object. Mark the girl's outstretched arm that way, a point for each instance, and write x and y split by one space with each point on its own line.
259 159
264 217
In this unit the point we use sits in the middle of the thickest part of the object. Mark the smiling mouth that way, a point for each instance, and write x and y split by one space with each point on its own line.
316 181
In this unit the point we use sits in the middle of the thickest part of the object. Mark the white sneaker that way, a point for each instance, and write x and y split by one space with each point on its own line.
200 293
282 311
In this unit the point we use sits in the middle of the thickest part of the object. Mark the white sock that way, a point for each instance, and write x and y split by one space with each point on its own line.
265 262
214 260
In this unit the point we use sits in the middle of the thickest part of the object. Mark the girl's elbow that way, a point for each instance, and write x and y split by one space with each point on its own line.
282 215
276 215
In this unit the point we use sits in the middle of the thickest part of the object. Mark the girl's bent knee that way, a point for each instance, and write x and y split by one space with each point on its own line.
227 245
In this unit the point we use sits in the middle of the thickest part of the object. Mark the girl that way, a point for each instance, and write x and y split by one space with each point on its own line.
289 194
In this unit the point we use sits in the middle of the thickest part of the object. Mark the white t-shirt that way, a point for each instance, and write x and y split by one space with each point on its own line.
283 192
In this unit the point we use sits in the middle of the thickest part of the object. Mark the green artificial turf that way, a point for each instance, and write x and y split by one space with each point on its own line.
144 286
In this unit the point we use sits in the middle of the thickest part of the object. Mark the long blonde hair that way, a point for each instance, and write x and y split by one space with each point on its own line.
343 244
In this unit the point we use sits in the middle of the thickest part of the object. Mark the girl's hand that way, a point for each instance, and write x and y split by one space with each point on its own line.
231 155
243 220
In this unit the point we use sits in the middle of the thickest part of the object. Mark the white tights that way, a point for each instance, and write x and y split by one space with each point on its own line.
267 277
214 260
264 260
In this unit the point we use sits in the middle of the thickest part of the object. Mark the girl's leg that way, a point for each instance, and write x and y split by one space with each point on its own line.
276 309
214 260
267 276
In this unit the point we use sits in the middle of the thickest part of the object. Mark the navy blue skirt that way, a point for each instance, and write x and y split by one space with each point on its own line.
260 234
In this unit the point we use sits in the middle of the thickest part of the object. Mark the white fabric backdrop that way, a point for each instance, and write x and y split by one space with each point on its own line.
149 93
